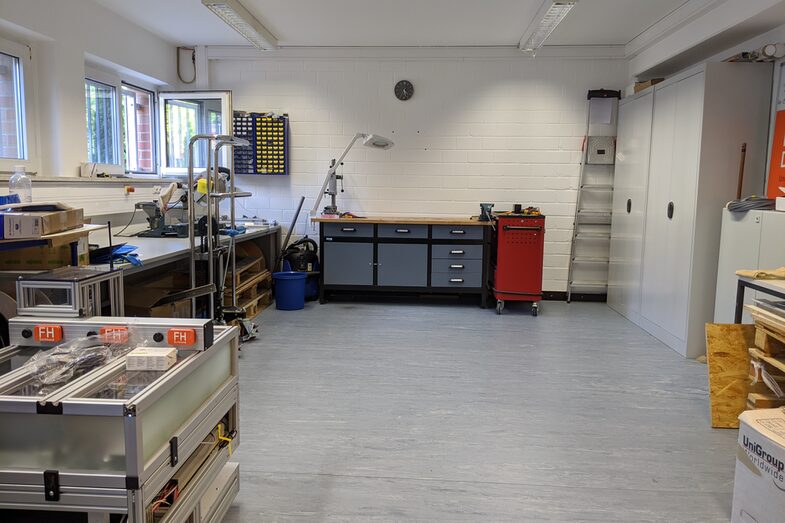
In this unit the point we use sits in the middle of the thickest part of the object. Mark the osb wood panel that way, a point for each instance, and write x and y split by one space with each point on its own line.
728 363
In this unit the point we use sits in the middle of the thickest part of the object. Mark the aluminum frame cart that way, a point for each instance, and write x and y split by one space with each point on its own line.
109 443
520 244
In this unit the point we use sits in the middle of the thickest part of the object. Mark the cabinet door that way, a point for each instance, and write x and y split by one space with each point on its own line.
673 173
402 265
347 263
683 186
629 204
653 297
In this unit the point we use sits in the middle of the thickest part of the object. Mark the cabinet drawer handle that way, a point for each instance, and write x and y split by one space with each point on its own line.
402 231
457 252
629 205
456 280
457 231
348 229
456 266
521 228
670 210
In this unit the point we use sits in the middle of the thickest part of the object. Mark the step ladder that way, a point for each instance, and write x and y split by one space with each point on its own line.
591 233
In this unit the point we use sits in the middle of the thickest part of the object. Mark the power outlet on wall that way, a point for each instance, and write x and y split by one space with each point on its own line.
156 189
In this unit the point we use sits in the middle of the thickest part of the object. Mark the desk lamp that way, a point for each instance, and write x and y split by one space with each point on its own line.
330 185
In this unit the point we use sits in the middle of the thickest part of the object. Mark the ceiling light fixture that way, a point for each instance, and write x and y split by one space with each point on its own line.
548 18
238 18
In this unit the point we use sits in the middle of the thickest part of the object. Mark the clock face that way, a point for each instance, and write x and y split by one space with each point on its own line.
404 90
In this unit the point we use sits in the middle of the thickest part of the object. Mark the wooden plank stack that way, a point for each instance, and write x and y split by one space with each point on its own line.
253 280
767 358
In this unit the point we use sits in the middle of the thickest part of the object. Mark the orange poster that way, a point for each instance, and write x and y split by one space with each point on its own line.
777 165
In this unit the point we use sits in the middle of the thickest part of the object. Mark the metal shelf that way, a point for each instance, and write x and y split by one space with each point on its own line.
589 284
597 187
589 259
593 236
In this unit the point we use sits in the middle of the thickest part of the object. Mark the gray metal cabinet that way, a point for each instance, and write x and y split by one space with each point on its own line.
402 265
350 263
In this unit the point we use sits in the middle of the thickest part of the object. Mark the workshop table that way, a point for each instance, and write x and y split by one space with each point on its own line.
774 288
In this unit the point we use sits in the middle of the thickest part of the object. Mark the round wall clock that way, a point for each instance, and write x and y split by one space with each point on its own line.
404 90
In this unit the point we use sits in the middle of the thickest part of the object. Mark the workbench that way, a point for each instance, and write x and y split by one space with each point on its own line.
774 288
155 252
404 255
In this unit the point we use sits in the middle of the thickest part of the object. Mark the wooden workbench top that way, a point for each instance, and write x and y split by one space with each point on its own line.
410 220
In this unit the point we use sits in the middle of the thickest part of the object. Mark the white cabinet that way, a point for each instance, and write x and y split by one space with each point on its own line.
750 240
629 204
700 119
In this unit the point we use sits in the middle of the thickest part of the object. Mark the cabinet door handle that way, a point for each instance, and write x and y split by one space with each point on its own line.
456 280
457 231
456 266
457 252
629 205
402 231
670 210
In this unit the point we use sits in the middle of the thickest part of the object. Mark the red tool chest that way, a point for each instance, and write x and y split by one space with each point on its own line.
520 242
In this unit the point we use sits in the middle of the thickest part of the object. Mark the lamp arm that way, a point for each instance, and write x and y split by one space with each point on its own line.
331 172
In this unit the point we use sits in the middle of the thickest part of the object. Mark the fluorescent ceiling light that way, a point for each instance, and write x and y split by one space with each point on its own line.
548 18
238 18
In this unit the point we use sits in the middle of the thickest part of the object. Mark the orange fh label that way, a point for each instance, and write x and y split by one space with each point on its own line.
114 334
776 186
181 336
48 333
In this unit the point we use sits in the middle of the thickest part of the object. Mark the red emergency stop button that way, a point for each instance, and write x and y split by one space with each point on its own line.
48 333
181 336
114 334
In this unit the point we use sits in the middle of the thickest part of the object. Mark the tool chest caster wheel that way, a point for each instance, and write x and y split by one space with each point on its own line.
535 309
499 306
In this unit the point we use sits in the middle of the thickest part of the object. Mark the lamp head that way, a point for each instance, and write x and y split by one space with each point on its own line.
377 142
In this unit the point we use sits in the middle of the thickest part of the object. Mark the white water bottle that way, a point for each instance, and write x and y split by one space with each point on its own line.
20 184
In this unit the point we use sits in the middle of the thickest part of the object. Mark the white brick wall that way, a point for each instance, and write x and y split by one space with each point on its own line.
505 130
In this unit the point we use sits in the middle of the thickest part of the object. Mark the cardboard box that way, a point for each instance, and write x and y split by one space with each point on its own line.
759 485
151 358
148 298
44 257
33 220
640 86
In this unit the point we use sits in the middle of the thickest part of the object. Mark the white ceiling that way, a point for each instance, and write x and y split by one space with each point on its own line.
396 23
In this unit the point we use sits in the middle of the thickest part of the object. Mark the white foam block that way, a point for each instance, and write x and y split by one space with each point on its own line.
151 358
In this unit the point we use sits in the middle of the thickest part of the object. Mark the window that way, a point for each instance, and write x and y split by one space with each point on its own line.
136 111
182 119
101 122
17 113
12 118
183 115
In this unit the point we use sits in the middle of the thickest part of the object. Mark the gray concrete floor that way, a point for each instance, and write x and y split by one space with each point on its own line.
446 412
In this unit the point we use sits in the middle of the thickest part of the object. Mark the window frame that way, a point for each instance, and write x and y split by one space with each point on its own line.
117 80
109 81
32 160
225 97
153 130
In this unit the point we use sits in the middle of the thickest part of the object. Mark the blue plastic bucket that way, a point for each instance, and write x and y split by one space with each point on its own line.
289 290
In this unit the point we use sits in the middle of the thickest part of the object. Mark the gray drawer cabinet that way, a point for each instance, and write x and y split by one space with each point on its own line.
403 231
398 257
402 265
458 232
350 263
355 230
